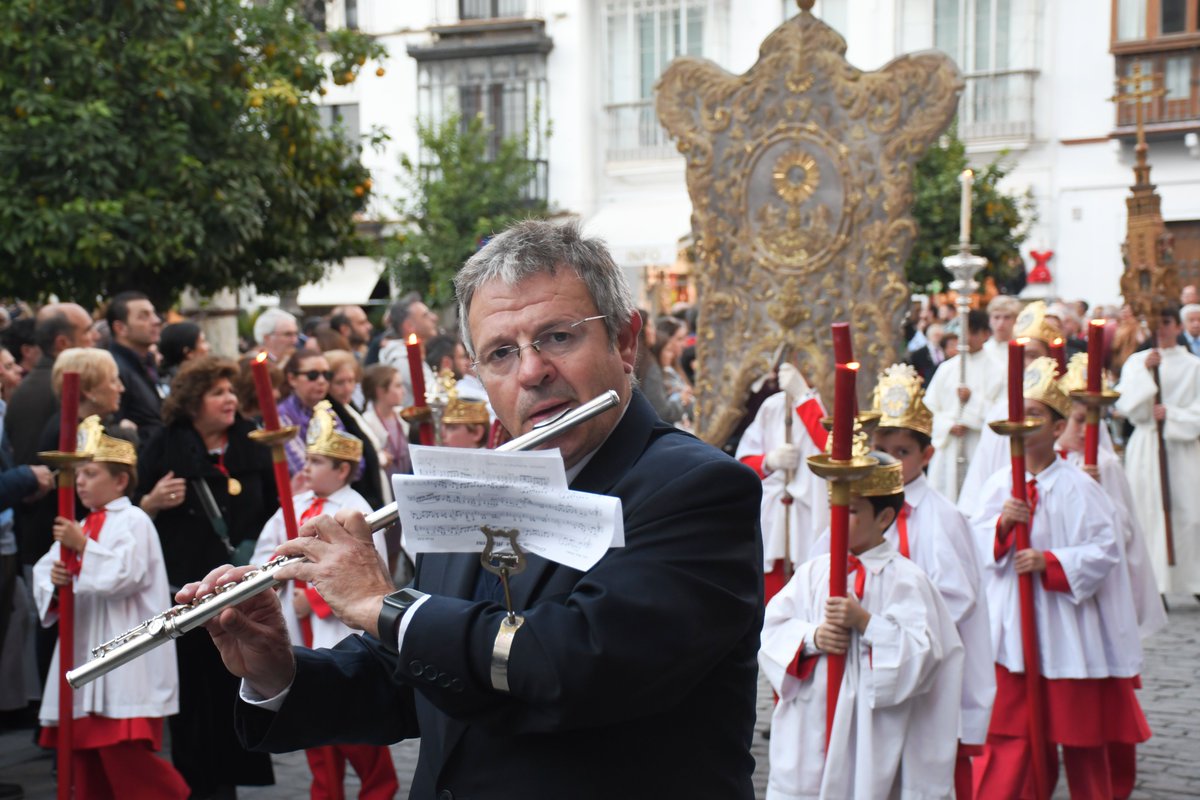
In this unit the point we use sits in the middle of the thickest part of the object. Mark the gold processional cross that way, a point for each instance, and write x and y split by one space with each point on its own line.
1137 94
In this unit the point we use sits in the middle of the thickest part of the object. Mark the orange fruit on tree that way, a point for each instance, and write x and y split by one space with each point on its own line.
380 72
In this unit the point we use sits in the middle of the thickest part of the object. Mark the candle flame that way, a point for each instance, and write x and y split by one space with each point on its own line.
412 338
1058 342
1099 323
1024 340
968 174
854 365
261 357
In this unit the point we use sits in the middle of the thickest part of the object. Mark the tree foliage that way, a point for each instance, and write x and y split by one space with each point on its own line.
999 221
466 187
163 143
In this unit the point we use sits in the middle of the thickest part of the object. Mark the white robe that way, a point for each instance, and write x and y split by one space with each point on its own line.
941 544
941 398
1090 631
810 508
1148 607
122 583
894 734
329 631
1180 375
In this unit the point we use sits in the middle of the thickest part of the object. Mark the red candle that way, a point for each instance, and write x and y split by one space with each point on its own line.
1095 352
416 371
843 410
843 350
265 392
69 425
1016 380
1058 352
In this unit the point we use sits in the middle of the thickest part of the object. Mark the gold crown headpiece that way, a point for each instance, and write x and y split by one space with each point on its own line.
326 440
1032 324
99 446
900 398
1075 378
882 481
1041 383
459 411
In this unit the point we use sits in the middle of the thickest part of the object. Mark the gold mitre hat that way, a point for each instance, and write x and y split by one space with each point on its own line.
1032 324
462 412
900 398
1041 384
92 441
326 440
884 480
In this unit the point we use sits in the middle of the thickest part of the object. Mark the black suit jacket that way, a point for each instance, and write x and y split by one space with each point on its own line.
635 679
32 404
140 403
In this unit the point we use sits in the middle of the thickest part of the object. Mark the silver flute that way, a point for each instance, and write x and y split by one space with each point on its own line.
176 621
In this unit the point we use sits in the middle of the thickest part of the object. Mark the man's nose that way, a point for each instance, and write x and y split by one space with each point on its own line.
534 369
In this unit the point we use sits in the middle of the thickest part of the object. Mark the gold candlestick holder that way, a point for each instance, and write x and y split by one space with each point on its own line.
865 421
275 438
1095 401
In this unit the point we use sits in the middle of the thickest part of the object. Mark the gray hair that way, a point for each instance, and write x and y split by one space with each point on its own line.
268 321
531 247
1190 308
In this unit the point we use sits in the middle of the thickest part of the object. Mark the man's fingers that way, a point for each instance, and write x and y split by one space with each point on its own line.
354 523
223 574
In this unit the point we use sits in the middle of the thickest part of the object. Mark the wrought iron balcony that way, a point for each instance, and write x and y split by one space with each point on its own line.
450 12
1178 110
998 106
634 133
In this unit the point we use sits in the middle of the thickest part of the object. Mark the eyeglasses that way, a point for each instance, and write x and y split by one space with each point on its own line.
314 374
554 343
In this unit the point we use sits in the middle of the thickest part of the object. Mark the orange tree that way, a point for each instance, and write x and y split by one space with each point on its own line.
160 144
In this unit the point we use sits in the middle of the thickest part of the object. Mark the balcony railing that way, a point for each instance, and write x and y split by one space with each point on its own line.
1176 71
536 191
449 12
634 133
998 106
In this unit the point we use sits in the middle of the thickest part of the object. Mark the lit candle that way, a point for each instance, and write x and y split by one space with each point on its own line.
843 410
1016 380
843 350
1095 353
964 222
1058 352
415 371
265 392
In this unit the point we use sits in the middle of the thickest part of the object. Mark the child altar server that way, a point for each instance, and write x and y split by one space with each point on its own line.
121 582
331 457
1088 644
792 513
897 720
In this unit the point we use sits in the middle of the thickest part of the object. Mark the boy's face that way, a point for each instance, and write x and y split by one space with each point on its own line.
1072 438
325 475
901 444
97 486
456 434
1042 440
866 529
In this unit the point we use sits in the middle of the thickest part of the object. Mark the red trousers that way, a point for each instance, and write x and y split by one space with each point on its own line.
1005 771
964 781
372 763
125 771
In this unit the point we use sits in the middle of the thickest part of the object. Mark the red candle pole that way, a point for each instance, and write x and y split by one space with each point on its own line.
1058 351
843 349
839 523
1029 637
68 431
416 372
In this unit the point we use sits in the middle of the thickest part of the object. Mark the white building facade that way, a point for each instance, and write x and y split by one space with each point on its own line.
1038 73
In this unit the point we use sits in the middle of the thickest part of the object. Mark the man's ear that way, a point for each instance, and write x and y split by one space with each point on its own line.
627 340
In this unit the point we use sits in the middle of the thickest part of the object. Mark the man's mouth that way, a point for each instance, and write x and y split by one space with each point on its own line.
547 414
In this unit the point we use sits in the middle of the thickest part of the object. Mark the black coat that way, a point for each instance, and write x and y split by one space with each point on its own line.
140 402
190 545
368 484
635 679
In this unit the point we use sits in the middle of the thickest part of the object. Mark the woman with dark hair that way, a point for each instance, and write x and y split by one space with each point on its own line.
212 492
179 342
372 484
664 349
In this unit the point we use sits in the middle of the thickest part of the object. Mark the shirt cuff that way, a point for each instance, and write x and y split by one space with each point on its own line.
805 662
251 697
406 620
1054 579
755 463
1003 542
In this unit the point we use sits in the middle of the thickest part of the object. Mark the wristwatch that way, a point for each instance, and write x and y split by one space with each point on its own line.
395 605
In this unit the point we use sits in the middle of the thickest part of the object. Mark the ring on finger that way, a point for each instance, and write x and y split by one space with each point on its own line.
171 495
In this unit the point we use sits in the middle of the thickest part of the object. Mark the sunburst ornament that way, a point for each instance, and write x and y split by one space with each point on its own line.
796 176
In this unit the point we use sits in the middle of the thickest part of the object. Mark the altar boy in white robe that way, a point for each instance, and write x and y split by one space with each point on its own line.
1179 412
1088 644
121 581
331 457
959 408
896 727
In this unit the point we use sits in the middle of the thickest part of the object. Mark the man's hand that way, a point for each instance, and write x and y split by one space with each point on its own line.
1160 412
1014 511
45 482
845 612
251 636
829 638
786 456
964 394
958 430
1154 359
1029 561
68 534
343 566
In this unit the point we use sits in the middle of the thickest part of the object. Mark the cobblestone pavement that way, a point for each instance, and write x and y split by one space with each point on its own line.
1168 765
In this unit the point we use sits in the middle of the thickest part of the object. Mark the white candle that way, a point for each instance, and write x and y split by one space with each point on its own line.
964 223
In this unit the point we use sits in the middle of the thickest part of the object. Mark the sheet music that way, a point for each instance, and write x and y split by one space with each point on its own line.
541 469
